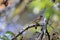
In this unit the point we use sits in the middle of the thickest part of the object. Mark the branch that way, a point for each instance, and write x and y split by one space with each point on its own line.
26 29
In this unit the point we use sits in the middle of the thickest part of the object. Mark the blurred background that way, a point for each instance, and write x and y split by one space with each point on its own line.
15 15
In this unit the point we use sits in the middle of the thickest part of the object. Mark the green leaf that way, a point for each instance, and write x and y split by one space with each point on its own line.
9 32
49 12
4 38
33 4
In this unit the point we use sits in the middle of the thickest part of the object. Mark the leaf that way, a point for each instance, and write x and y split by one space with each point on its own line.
49 12
33 4
4 38
9 32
